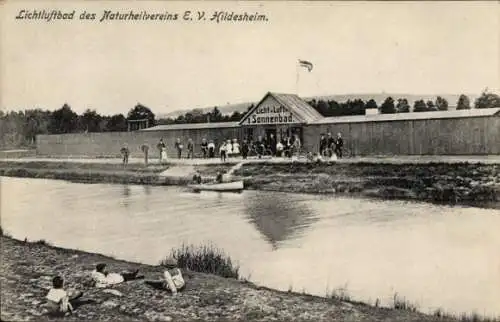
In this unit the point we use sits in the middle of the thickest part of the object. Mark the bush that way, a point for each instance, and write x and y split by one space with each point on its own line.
205 259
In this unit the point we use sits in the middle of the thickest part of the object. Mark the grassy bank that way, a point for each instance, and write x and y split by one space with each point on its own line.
448 183
28 267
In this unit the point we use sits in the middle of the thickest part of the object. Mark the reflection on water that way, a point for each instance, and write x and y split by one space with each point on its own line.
278 219
435 256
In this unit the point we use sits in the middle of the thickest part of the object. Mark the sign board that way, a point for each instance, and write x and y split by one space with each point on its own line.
271 112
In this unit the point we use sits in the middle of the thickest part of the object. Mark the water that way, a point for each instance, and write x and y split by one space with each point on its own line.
435 256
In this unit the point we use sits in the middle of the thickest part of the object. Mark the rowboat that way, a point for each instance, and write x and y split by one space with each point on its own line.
235 186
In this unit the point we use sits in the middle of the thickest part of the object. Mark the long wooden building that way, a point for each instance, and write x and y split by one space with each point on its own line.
455 132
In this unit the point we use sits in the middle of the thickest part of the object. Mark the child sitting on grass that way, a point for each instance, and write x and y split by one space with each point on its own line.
59 301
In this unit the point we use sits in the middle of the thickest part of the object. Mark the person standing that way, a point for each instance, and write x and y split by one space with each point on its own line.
330 144
236 147
223 151
339 144
322 145
179 147
161 145
296 145
229 148
190 148
279 149
204 148
211 149
272 144
125 153
244 149
145 149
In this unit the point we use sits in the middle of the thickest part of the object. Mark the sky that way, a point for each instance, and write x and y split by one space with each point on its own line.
356 47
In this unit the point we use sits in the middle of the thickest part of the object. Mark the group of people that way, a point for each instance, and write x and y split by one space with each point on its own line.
330 146
61 301
270 145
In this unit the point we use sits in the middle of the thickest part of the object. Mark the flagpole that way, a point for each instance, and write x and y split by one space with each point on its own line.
297 79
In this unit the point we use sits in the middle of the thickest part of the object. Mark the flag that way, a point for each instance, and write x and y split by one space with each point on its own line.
306 64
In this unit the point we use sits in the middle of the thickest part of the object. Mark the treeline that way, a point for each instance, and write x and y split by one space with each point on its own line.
401 105
198 116
19 129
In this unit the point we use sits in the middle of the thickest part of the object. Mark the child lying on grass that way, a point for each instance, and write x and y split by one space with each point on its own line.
60 301
104 279
172 281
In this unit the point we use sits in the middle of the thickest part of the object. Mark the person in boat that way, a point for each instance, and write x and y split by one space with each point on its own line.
60 301
104 279
211 149
218 177
197 178
204 148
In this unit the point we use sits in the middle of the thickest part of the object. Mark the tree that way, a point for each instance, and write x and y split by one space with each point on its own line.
402 106
463 102
371 104
117 123
441 104
90 121
322 107
430 106
141 112
487 100
215 115
63 120
419 106
387 106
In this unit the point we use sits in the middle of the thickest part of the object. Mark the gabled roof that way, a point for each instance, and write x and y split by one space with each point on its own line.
192 126
411 116
297 106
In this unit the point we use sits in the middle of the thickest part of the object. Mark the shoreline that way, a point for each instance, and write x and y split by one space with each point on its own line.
27 268
449 183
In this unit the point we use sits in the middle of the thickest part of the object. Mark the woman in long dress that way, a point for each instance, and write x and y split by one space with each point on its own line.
163 154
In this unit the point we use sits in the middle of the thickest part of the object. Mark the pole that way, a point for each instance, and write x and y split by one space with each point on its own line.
297 79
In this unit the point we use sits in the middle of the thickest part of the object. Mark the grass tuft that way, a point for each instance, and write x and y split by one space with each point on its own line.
41 242
205 259
341 294
400 303
464 317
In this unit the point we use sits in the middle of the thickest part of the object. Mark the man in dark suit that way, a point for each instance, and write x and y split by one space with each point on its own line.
339 143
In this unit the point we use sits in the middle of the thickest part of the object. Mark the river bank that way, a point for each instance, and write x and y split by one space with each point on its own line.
28 267
475 184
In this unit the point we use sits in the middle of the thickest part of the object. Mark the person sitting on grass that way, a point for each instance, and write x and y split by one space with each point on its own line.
59 301
104 279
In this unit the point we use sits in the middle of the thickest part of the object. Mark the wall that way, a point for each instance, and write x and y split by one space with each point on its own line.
109 143
457 136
